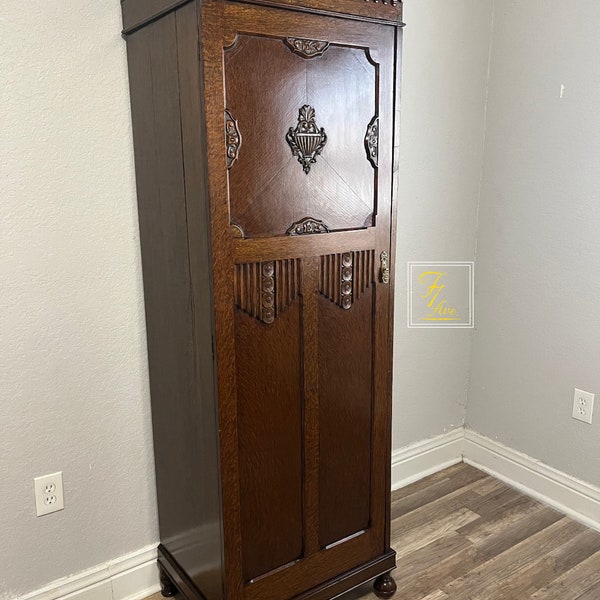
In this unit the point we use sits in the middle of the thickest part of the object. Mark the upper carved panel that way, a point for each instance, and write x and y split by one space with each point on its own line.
268 189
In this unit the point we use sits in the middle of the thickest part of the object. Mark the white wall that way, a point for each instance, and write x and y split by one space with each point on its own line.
538 257
73 375
73 371
446 49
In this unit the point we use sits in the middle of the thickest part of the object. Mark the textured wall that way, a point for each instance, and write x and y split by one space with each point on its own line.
73 375
446 49
538 262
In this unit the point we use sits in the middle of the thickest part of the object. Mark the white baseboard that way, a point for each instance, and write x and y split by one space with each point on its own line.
423 458
135 576
577 499
130 577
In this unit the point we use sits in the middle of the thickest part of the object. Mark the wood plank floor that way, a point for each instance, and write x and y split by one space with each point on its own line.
462 535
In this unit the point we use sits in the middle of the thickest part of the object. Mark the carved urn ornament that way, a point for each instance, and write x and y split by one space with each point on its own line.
306 141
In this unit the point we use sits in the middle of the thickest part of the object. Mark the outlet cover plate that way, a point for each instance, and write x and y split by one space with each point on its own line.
583 406
49 495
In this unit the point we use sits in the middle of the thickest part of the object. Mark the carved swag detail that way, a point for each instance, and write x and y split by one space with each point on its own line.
307 226
306 48
372 141
306 141
233 138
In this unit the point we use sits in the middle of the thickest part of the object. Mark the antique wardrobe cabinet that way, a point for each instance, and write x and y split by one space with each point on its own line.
265 136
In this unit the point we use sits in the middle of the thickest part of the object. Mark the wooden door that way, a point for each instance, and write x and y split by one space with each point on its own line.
300 122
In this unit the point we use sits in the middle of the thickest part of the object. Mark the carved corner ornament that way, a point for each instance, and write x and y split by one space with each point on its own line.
233 138
307 140
306 48
372 141
307 226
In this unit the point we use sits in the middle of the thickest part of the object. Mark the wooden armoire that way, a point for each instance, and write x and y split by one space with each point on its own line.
265 136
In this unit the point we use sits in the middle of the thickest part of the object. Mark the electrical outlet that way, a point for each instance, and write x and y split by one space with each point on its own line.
49 496
583 406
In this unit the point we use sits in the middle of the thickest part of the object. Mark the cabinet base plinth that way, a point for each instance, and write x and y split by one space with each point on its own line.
379 567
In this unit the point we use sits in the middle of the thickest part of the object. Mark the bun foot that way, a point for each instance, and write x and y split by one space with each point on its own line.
167 587
385 586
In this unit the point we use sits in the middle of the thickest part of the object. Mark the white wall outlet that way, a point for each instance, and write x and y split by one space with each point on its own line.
49 495
583 406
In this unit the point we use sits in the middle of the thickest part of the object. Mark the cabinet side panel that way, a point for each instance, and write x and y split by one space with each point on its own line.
173 226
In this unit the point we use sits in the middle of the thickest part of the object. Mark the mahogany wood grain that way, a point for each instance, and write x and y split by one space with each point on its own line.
270 440
178 301
345 418
341 87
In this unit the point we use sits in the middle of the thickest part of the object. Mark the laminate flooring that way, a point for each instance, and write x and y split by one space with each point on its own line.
463 535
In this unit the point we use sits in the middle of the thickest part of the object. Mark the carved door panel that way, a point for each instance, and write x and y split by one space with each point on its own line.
300 124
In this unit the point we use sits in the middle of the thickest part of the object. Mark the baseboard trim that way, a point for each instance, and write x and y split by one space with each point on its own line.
423 458
577 499
130 577
135 576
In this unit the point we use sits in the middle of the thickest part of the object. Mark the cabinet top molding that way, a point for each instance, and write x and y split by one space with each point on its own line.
138 13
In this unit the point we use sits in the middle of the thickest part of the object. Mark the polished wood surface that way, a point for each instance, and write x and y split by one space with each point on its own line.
138 13
251 72
264 146
165 88
341 88
269 387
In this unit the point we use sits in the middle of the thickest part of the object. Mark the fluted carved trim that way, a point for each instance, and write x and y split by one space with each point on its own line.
343 278
265 289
